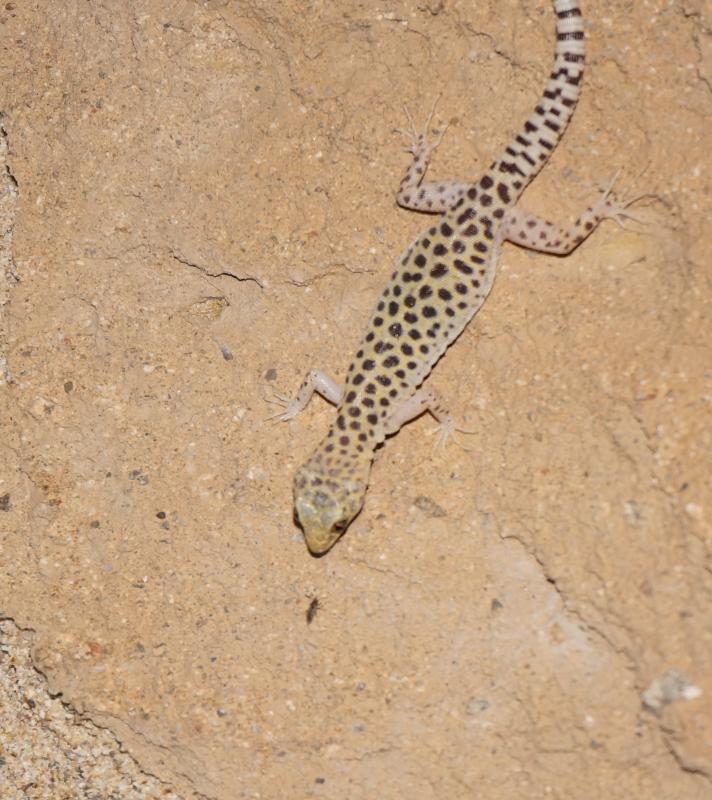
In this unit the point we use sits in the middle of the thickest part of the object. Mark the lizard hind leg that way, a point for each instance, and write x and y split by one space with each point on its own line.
528 230
415 193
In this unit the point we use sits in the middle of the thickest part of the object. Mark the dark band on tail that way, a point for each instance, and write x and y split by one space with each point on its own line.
530 149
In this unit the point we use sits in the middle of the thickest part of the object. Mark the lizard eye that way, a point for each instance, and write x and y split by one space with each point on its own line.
340 526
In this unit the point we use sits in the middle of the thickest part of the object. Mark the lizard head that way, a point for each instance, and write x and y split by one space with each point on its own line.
326 499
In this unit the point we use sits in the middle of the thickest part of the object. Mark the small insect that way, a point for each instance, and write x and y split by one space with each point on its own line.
224 349
314 606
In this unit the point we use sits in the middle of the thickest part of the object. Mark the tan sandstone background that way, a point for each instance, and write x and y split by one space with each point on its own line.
197 205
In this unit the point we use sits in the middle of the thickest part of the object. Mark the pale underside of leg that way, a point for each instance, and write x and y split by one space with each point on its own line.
314 381
426 399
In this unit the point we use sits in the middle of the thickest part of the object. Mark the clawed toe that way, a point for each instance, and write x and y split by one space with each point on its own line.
618 213
616 209
419 141
459 443
620 216
279 416
444 432
278 399
287 403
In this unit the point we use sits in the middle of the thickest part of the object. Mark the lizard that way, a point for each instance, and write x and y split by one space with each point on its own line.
438 284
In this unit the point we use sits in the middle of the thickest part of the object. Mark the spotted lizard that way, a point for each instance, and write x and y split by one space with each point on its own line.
436 287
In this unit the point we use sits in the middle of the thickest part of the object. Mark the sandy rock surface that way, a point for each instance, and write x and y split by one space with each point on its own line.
197 206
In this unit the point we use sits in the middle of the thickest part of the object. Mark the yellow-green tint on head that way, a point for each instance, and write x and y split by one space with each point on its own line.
325 506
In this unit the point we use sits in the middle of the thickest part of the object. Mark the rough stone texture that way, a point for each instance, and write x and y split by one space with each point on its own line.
199 206
46 751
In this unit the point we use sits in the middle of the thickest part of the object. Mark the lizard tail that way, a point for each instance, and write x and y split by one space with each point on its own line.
530 149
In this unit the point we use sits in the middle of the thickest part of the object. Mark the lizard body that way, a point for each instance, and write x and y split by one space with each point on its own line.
436 287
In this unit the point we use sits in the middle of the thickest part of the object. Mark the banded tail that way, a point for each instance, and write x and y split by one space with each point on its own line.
527 153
